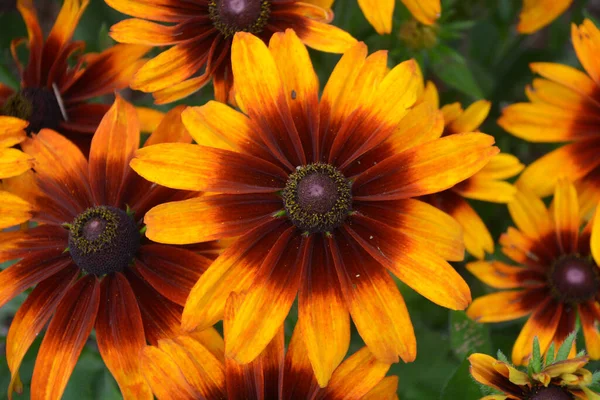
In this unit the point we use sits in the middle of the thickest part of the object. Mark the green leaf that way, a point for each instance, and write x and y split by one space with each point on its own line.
467 336
536 359
461 385
452 69
565 348
550 355
501 357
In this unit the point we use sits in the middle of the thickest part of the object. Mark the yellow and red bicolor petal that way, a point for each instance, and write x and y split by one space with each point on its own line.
412 262
164 11
13 210
32 74
503 276
586 41
19 244
536 14
208 338
84 119
270 296
14 162
172 271
166 128
530 215
140 31
182 89
299 380
66 335
379 13
566 216
506 305
210 217
357 375
589 313
416 172
113 146
471 118
375 304
31 318
542 324
424 223
386 389
421 124
323 316
120 336
534 253
12 131
195 167
483 371
233 271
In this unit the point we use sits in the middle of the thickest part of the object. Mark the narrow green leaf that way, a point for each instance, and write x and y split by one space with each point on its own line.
550 355
451 67
565 348
536 359
501 357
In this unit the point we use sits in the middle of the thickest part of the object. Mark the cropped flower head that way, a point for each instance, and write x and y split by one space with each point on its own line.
320 195
547 378
58 82
563 107
556 277
89 261
194 366
536 14
488 184
201 32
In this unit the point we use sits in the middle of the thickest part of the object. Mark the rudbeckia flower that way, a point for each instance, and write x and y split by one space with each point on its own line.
194 366
320 195
90 264
557 276
201 33
536 14
563 107
54 93
488 184
13 162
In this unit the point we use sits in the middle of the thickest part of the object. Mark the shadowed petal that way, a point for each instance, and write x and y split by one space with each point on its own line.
484 371
566 216
299 380
589 314
506 305
543 323
503 276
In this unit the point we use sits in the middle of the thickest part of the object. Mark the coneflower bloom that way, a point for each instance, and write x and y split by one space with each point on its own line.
193 366
13 162
536 14
200 33
89 261
556 279
54 93
563 107
488 184
319 194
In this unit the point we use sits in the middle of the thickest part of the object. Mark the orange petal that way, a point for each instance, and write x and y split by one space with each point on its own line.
12 131
113 145
120 336
150 119
501 166
586 41
588 315
503 276
194 167
566 216
471 118
233 271
483 371
182 89
323 37
320 3
169 129
164 11
270 297
543 323
424 11
595 238
486 190
14 162
530 215
505 305
140 31
209 338
35 40
421 124
299 380
377 307
536 14
416 171
566 75
66 335
13 210
379 14
385 390
322 314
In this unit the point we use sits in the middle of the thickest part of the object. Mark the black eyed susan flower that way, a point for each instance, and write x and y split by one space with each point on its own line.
563 107
201 32
557 277
194 366
89 261
320 195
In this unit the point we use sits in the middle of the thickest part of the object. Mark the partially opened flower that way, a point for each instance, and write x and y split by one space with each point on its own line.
536 14
201 33
89 261
488 184
194 366
557 277
563 107
57 82
320 195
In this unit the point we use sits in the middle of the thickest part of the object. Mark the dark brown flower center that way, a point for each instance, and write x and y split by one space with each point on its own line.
317 198
103 240
574 279
551 393
39 106
231 16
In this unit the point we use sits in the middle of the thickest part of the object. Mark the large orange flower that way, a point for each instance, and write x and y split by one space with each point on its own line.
194 366
55 94
556 279
202 36
563 107
488 184
320 195
89 262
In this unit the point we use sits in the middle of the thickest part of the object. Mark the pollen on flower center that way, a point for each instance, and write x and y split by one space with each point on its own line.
574 279
39 106
317 198
551 393
231 16
103 240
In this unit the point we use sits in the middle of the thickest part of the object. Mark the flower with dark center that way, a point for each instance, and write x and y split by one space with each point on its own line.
39 106
100 273
556 278
551 393
202 37
319 194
